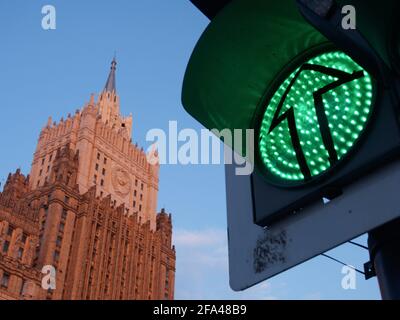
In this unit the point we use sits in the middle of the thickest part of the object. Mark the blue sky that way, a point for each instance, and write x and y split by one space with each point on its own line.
54 72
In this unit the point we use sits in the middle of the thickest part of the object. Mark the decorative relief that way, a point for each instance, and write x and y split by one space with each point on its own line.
121 181
3 230
30 250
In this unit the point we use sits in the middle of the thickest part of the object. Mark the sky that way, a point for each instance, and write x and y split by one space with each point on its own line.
53 72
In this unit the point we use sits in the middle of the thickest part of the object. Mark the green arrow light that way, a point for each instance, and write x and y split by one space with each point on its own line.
315 118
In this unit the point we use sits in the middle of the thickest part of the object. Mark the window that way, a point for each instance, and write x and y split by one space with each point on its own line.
136 182
43 161
66 199
5 280
105 160
6 245
98 156
62 226
140 207
56 256
141 197
102 182
22 290
95 179
104 172
68 178
134 193
101 194
141 186
134 204
64 214
40 172
20 252
24 236
10 230
96 167
58 241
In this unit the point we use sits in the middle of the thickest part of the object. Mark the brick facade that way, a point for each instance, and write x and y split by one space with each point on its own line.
88 208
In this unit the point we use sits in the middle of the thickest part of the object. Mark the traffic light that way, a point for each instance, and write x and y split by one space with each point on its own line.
322 100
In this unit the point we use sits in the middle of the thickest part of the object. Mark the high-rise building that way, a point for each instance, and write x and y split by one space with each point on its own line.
84 220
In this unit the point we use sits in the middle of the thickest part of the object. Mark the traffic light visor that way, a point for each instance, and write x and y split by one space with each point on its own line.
238 57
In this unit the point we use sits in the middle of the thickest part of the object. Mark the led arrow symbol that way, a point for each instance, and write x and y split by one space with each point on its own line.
289 115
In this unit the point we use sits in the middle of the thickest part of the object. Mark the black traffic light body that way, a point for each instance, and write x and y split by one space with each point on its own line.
250 96
210 8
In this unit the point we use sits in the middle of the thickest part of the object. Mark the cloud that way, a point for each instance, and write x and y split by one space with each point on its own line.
202 249
199 238
202 268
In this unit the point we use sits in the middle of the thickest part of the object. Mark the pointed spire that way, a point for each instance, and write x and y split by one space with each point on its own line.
110 85
49 122
91 102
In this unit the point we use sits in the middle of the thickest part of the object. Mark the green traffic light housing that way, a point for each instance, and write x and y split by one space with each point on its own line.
240 54
325 112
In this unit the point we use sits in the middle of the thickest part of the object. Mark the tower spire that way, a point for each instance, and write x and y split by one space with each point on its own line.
110 84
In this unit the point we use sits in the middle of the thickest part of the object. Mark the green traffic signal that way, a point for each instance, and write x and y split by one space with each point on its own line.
322 99
314 118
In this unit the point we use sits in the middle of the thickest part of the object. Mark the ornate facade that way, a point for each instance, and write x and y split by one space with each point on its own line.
88 210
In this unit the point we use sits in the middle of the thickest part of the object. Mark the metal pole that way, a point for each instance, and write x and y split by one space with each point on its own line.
384 249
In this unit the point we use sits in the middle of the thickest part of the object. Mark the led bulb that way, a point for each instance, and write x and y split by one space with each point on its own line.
326 103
